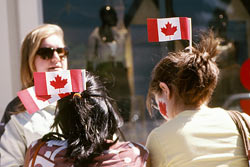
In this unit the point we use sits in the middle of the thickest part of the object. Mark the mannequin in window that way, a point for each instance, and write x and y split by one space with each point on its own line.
106 57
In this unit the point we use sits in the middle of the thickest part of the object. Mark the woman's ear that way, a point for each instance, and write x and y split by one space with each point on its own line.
164 87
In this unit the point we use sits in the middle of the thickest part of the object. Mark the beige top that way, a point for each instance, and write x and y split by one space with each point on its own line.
197 138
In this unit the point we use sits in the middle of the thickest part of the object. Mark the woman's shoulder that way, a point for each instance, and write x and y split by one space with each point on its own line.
129 145
48 153
122 154
14 106
13 103
128 153
39 121
52 146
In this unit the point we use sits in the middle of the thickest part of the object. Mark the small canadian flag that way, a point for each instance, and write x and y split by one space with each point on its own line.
167 29
57 82
33 103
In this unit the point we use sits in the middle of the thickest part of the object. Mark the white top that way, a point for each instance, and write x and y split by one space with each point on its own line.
101 52
20 131
197 138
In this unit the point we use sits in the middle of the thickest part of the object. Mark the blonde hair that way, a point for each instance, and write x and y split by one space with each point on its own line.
191 76
29 48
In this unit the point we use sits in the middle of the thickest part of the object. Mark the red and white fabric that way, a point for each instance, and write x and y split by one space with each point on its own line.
65 81
52 153
167 29
33 103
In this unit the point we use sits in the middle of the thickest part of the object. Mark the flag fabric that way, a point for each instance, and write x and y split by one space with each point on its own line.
168 29
245 74
33 103
57 82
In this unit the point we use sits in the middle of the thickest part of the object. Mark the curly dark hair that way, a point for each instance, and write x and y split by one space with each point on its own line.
87 120
191 76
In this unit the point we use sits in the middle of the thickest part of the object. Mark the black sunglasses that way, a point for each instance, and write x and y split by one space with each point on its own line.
47 53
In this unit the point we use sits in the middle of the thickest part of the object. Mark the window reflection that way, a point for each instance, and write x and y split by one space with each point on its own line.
229 18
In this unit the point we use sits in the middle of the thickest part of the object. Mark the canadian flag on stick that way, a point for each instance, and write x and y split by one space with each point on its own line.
65 81
33 103
168 29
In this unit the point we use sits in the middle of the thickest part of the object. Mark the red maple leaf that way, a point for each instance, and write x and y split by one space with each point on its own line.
44 97
163 108
169 29
59 82
62 95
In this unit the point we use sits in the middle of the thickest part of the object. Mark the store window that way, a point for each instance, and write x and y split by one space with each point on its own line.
79 19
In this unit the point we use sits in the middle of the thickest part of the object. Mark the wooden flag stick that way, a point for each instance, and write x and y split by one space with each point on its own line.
190 40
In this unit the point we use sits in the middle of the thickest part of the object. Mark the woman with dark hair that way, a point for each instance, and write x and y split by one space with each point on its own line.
194 135
86 124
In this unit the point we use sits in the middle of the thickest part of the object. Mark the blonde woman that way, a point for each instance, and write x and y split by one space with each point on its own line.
43 50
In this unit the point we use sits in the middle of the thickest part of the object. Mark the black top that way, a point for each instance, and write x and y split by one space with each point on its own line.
12 107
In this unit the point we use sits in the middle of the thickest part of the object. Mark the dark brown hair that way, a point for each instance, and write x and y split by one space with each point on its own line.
87 120
190 76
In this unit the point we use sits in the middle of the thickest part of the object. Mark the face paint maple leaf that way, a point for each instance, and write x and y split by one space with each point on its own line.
168 29
163 109
59 82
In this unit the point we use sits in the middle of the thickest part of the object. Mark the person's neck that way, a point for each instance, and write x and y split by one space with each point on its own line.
191 108
180 108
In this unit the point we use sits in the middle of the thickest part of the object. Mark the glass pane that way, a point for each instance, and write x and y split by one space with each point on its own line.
129 59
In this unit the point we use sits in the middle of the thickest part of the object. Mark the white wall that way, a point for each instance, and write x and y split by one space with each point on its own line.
18 17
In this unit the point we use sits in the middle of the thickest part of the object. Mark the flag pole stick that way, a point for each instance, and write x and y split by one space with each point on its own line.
190 39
